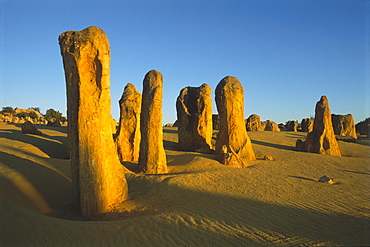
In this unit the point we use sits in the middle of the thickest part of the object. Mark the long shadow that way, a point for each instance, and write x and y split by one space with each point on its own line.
273 145
169 130
296 136
50 147
40 177
170 145
303 178
364 173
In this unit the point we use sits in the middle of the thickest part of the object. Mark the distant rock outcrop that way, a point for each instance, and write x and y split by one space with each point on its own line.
152 157
229 97
53 122
270 126
344 125
281 126
363 127
194 115
29 128
322 139
291 126
128 135
253 123
307 125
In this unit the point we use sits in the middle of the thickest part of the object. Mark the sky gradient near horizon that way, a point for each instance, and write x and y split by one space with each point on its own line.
287 54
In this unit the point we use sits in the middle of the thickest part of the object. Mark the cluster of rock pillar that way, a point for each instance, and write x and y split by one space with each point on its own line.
194 116
98 178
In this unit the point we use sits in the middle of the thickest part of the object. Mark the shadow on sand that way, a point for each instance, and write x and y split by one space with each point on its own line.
273 145
53 146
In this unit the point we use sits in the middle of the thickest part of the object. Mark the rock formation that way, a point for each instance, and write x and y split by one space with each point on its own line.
363 127
29 128
128 135
152 157
270 126
229 97
53 123
215 122
322 139
194 115
291 126
228 157
344 125
307 125
281 126
176 124
98 179
253 123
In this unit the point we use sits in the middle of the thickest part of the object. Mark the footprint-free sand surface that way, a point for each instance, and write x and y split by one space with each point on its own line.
198 203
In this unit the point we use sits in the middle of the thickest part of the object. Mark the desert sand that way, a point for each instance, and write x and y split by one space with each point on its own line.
198 203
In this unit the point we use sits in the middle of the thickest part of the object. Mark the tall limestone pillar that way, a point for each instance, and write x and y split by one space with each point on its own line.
128 136
152 157
194 116
229 97
98 178
322 138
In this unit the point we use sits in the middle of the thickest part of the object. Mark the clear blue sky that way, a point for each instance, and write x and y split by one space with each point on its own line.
287 54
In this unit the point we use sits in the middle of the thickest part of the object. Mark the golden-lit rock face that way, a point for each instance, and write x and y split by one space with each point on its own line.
253 123
322 139
229 96
97 175
194 116
128 136
152 157
269 125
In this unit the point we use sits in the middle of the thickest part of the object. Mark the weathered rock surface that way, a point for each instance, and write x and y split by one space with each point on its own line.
229 97
53 123
194 115
29 128
281 126
152 157
253 123
98 178
291 126
270 126
228 157
363 127
128 135
322 139
268 157
215 122
307 125
176 124
344 125
326 179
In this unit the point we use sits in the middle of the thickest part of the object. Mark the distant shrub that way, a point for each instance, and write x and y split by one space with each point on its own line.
38 109
51 113
8 109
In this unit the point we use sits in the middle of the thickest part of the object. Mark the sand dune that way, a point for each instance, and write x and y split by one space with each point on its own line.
198 203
